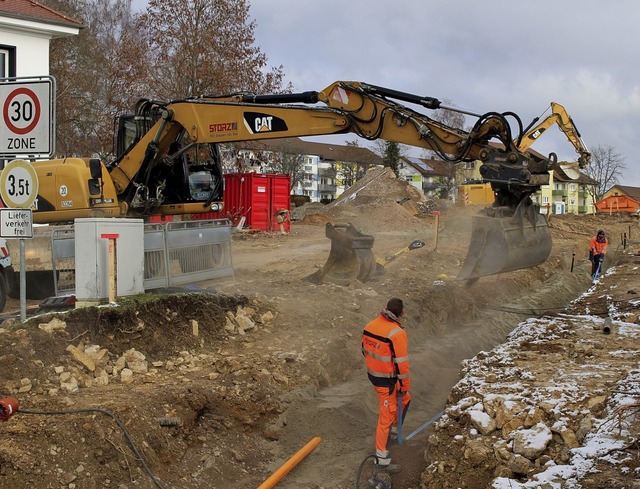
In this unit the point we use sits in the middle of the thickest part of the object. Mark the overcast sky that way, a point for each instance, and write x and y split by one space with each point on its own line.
498 55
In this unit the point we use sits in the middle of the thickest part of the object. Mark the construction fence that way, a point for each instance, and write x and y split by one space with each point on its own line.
175 253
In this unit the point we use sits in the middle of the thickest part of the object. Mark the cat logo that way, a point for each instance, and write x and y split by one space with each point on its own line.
256 122
536 134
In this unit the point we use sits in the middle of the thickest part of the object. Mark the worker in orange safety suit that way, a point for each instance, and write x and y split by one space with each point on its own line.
385 348
597 251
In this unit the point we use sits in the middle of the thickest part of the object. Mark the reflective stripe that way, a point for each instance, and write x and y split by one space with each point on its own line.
381 375
393 332
382 358
400 360
403 376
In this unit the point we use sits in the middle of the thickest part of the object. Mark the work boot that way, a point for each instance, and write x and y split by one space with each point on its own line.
388 468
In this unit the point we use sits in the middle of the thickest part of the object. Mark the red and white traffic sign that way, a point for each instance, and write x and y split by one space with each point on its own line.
27 118
18 184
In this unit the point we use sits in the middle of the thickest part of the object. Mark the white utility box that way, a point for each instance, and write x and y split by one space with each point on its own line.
92 239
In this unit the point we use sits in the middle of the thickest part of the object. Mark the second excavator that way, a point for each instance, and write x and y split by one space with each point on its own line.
167 160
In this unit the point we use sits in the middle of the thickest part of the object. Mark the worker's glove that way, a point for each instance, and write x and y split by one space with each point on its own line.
601 258
401 393
591 256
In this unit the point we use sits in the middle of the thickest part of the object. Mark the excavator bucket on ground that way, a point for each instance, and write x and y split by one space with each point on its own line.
502 241
351 257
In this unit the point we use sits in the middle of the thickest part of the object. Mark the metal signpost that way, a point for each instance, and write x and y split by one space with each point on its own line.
18 189
27 130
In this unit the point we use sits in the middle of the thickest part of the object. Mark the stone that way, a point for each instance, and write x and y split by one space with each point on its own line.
484 423
519 464
54 325
82 358
531 442
476 452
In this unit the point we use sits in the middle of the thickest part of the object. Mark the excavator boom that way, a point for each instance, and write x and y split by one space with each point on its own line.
564 121
168 160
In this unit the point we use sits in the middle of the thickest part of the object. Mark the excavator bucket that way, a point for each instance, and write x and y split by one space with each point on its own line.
505 243
350 258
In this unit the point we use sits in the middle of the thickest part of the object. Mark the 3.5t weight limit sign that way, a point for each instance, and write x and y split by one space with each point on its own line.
26 117
18 184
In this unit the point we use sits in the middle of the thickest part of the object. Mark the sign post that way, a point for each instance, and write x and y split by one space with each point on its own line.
18 189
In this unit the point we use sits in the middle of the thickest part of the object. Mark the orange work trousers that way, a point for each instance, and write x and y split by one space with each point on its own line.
387 414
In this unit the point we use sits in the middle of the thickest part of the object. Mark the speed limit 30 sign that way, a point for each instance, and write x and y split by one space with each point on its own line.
27 118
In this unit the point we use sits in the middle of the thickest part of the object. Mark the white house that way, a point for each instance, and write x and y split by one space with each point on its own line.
26 28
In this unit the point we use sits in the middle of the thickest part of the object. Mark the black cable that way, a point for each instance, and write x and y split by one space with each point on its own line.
127 435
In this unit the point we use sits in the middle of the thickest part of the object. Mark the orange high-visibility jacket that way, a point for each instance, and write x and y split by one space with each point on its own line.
385 348
598 247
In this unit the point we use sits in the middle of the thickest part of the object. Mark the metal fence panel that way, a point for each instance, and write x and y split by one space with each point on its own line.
63 261
198 250
174 253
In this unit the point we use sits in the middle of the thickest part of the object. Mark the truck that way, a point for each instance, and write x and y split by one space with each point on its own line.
168 162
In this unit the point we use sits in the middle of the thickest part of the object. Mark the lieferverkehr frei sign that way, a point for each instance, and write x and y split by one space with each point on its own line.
16 223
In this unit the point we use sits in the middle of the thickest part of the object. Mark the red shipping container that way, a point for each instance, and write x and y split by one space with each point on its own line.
258 197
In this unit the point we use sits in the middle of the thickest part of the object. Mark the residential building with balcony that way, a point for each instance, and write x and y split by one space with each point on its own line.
319 171
424 174
568 191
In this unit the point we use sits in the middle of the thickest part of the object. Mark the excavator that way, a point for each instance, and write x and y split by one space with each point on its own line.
558 116
167 161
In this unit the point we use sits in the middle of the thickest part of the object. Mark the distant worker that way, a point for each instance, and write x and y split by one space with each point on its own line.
597 251
385 348
282 216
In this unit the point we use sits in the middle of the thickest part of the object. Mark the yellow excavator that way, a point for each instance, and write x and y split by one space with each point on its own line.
565 123
167 160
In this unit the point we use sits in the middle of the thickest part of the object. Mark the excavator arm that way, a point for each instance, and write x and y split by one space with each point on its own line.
168 160
564 121
369 111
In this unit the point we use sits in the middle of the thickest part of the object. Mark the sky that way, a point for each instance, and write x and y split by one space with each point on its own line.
495 56
499 56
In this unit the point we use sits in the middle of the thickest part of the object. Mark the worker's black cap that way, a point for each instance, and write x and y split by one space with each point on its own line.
601 231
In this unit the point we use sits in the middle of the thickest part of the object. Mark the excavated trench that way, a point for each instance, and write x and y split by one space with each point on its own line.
454 323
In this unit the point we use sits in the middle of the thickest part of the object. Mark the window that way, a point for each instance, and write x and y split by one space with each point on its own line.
308 168
545 200
572 187
7 61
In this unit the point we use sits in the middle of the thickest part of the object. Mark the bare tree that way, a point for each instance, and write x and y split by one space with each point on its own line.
98 74
606 168
175 48
205 47
350 172
454 172
288 164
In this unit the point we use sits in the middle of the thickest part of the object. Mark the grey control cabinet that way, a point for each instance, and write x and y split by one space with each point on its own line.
92 239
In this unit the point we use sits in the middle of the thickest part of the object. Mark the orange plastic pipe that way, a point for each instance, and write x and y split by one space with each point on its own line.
290 464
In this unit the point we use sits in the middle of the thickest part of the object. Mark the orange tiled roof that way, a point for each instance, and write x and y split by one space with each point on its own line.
32 10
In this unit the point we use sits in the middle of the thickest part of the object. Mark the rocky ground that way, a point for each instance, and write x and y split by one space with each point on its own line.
218 385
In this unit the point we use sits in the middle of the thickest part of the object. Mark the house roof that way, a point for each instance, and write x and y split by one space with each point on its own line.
34 11
633 192
427 166
560 174
327 152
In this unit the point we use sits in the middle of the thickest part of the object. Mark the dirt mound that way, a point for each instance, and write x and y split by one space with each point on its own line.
378 200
